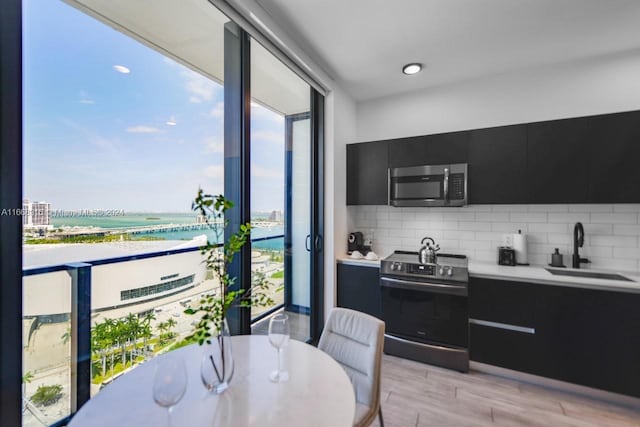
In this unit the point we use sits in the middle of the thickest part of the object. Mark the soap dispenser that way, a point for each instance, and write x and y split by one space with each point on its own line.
556 259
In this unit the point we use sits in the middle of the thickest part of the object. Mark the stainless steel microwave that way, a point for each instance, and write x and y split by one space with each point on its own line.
429 185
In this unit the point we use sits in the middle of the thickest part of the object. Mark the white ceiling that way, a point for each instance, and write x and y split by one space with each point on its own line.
364 43
192 33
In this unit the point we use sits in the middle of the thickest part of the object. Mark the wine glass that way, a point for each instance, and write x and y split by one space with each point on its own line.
169 383
279 338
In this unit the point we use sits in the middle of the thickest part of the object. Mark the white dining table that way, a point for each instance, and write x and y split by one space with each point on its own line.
318 392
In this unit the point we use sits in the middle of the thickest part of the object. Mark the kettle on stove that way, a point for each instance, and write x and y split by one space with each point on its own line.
427 253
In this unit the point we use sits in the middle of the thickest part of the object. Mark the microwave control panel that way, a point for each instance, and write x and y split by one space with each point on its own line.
456 186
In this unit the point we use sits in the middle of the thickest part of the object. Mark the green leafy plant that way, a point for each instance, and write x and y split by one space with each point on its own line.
47 395
215 306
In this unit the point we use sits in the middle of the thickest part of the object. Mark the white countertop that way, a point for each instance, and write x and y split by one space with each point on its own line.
531 274
538 274
346 259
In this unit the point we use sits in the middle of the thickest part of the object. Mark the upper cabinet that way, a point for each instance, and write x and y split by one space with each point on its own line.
429 150
498 165
581 160
367 177
558 161
614 152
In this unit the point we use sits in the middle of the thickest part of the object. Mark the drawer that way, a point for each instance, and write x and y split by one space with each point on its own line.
502 301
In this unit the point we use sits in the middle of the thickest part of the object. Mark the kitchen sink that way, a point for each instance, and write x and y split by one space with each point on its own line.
588 274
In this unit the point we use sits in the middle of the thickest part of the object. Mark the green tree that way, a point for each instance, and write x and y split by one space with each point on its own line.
170 324
47 395
162 327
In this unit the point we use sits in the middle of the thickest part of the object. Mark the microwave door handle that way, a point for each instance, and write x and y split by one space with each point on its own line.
446 184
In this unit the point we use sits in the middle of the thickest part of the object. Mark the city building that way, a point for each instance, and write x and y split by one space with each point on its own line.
36 215
276 216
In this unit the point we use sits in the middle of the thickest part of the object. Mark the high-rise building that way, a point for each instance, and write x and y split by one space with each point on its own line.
36 214
275 216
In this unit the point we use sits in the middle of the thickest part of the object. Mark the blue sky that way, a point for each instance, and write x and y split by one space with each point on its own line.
97 138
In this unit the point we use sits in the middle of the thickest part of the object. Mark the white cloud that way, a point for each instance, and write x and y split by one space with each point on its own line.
92 136
121 69
142 129
214 171
260 172
268 136
199 87
218 111
214 145
85 98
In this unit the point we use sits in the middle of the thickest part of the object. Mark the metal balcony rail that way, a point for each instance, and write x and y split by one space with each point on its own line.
80 316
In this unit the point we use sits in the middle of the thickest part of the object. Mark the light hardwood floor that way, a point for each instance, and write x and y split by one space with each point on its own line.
416 394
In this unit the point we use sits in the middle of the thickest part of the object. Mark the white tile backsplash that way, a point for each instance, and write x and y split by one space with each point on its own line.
612 232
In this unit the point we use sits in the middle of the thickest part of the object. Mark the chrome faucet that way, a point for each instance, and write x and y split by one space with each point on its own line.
578 242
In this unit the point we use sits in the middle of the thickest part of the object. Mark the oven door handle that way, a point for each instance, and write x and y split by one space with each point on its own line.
440 288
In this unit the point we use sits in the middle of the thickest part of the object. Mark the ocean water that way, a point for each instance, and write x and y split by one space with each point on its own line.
137 220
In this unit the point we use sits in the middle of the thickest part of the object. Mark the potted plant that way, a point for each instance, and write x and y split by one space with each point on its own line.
212 330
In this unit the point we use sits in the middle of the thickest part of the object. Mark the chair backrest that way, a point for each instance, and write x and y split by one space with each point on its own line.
355 340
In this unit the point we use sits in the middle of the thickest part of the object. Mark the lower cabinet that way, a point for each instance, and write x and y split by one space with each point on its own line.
582 336
359 289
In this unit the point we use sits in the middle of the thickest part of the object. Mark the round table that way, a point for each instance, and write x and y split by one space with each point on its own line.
318 392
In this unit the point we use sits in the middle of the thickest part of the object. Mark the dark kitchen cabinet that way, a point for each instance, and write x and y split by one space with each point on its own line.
444 148
581 160
359 289
498 165
582 336
367 177
614 151
590 337
558 161
500 313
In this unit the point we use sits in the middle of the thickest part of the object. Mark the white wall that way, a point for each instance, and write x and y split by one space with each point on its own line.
594 86
340 129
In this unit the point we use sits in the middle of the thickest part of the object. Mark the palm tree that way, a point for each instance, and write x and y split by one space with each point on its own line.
26 379
111 338
66 336
162 327
134 328
122 336
170 324
146 327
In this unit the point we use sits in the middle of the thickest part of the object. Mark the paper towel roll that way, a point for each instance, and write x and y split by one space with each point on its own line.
520 246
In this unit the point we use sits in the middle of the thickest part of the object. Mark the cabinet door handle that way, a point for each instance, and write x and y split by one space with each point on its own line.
506 326
307 243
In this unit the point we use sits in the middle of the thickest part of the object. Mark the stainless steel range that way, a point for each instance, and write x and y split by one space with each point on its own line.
425 309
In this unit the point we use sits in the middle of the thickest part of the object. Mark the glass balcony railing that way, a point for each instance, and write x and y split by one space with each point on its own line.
85 324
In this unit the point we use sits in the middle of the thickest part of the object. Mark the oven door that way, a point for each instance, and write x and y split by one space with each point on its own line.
432 313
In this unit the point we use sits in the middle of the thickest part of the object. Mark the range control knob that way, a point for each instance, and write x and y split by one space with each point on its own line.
396 266
450 272
441 271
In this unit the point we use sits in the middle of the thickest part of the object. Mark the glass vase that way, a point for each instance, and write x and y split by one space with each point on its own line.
217 364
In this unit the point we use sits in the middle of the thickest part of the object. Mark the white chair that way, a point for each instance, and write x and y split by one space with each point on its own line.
355 341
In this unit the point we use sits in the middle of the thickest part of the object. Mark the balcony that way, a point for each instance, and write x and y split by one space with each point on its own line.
85 324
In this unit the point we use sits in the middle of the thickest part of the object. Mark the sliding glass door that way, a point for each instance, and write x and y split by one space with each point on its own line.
281 174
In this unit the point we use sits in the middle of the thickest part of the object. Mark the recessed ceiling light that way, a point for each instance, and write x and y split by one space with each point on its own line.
412 68
121 69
